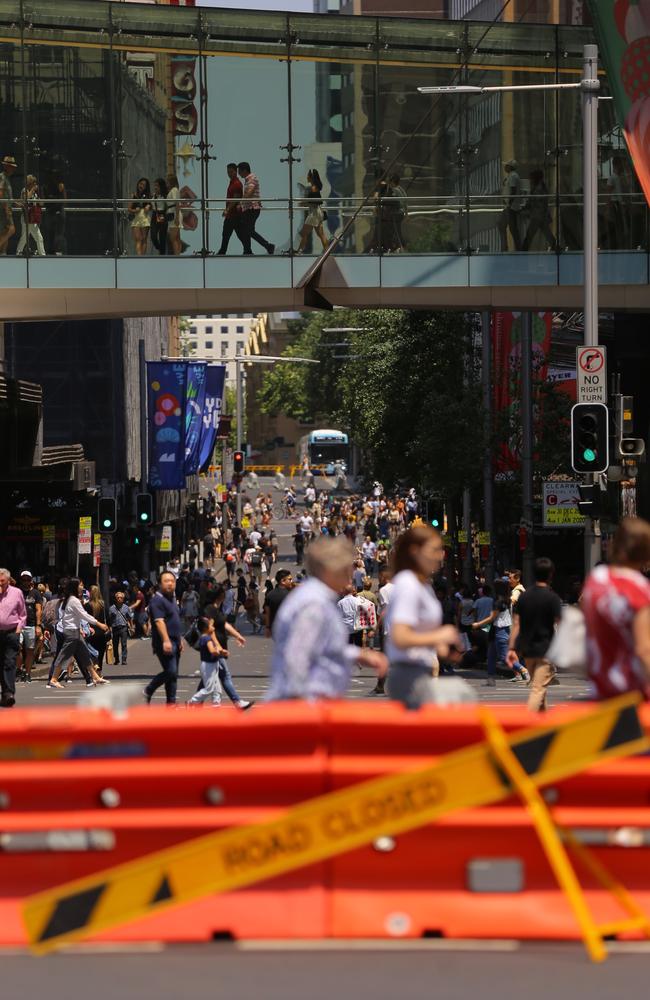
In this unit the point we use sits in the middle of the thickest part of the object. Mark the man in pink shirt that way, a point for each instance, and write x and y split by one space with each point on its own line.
251 206
13 616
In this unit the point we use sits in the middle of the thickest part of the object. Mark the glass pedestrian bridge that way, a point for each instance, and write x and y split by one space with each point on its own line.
118 122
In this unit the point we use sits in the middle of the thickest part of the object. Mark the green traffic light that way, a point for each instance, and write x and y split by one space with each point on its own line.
144 516
435 523
589 455
107 522
136 540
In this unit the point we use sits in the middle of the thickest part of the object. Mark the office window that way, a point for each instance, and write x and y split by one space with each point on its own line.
193 330
208 345
240 347
224 348
240 329
194 344
208 329
224 329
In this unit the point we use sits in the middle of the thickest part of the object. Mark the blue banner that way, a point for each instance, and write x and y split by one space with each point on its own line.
166 385
194 404
213 401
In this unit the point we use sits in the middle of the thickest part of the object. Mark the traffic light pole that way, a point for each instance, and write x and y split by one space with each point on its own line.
590 86
527 446
238 418
144 453
488 490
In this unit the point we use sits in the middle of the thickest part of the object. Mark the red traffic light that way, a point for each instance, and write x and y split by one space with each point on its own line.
238 459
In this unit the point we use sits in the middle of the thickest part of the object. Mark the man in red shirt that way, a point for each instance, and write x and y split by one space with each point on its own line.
616 605
232 213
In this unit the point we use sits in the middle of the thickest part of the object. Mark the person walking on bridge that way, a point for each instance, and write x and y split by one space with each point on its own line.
250 210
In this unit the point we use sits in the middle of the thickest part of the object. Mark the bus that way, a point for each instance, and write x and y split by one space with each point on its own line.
324 447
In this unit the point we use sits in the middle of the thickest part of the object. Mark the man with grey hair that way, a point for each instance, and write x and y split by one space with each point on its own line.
312 657
13 616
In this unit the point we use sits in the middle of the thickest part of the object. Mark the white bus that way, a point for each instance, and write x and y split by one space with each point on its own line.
324 447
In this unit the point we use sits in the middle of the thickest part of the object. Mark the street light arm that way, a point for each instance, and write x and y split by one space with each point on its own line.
467 89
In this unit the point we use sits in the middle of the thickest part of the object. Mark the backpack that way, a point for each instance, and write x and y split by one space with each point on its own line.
256 559
365 616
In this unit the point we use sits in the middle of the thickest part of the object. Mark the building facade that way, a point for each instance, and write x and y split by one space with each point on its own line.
216 338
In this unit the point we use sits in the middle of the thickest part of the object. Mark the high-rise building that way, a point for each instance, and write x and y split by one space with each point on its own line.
216 338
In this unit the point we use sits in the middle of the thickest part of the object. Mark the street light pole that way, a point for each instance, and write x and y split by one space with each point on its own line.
590 87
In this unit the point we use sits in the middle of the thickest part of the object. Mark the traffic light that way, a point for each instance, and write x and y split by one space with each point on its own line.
627 446
107 514
436 514
589 437
589 502
239 462
144 509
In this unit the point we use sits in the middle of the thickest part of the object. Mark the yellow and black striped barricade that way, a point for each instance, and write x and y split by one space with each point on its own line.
339 822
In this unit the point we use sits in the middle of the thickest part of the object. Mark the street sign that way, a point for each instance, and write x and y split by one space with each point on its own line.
84 538
51 554
105 549
97 550
49 533
591 364
165 538
560 505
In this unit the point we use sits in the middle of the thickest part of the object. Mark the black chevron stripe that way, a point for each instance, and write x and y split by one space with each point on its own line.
73 912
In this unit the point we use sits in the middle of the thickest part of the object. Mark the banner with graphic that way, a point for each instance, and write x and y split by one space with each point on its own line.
623 34
213 401
194 405
166 385
506 358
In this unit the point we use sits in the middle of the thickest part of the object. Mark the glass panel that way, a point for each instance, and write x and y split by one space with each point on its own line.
157 148
75 22
510 140
67 163
157 28
335 59
425 210
570 45
11 123
622 209
238 131
227 32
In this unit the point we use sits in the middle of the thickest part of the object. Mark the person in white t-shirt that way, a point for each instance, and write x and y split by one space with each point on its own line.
416 636
383 597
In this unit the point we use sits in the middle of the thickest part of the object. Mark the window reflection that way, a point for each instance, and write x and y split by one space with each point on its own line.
130 139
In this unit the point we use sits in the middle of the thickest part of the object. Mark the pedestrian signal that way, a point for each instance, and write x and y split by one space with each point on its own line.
239 462
144 508
107 514
590 437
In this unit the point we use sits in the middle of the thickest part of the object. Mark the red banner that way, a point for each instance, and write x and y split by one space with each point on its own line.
506 355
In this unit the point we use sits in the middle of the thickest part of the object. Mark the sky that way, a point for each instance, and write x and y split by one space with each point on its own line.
294 6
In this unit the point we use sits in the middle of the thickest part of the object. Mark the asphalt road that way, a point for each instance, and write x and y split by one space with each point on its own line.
250 665
380 971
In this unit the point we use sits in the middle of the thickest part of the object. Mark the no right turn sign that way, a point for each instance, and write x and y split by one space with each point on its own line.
591 366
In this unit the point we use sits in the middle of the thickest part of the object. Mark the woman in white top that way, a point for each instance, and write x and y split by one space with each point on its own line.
71 614
140 212
173 215
416 637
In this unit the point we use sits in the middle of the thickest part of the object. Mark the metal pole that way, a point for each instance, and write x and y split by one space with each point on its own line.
238 418
527 442
590 87
468 562
488 493
144 452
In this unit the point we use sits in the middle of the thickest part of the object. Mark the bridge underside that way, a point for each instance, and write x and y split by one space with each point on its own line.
74 288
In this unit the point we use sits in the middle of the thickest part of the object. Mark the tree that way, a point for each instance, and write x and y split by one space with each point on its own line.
408 394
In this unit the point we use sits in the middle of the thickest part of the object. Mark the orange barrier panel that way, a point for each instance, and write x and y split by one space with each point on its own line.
121 788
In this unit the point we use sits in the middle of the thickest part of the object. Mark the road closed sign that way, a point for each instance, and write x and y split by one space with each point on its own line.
591 366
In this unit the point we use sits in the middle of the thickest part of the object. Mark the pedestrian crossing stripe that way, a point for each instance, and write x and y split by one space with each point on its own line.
326 826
